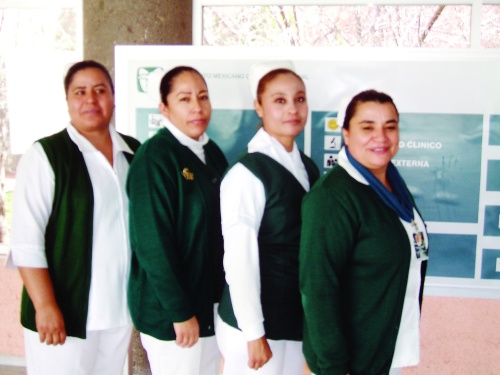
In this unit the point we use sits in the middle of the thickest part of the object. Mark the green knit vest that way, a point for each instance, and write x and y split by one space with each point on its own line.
68 236
279 239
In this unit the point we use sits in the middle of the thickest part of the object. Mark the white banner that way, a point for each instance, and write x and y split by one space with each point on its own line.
449 155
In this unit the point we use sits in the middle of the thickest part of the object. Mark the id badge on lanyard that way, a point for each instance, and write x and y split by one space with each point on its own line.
419 242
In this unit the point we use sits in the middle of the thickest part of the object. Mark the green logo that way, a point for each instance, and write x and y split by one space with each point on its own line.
143 74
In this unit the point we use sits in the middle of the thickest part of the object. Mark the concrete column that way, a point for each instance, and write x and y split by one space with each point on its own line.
107 23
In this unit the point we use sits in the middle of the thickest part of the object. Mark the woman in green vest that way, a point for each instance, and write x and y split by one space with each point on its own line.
70 236
177 275
260 323
363 252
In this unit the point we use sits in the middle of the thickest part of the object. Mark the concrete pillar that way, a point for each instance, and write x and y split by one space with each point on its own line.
107 23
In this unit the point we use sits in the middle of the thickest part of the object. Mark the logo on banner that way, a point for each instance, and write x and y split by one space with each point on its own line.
330 160
333 142
331 125
155 123
145 76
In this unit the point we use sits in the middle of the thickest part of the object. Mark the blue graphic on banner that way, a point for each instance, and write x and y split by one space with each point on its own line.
148 122
493 175
452 255
440 159
494 130
232 130
492 221
491 264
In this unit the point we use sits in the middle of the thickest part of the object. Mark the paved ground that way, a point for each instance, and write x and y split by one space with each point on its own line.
12 370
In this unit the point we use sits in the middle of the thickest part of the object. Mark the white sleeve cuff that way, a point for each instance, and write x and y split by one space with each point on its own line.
28 257
254 332
32 205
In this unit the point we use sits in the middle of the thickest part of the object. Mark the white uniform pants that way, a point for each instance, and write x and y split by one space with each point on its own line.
103 352
167 358
287 356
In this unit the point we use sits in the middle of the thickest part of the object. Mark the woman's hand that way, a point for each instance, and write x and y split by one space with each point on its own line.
50 324
187 333
259 353
48 317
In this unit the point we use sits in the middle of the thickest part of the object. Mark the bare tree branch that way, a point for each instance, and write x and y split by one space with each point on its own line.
433 20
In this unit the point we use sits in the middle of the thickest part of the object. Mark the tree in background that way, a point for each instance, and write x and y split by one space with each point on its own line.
409 26
490 26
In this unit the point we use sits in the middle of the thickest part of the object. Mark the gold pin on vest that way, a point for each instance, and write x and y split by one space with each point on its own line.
187 174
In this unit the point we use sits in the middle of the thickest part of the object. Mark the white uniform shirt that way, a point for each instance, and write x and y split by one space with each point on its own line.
407 352
33 198
242 207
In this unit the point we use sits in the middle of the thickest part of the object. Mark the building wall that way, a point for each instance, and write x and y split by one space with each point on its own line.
112 22
11 334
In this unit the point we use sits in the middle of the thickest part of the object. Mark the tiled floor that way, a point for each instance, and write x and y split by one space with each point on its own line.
12 370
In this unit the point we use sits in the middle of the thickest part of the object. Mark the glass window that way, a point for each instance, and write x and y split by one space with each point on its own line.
409 26
34 43
490 26
51 29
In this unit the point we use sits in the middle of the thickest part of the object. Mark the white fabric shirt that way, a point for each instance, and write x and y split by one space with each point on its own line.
242 207
33 198
196 146
407 352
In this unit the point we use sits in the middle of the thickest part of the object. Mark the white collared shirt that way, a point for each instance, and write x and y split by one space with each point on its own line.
33 198
242 207
196 146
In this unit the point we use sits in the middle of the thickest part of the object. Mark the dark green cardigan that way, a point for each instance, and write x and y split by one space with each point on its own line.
70 226
175 235
354 263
